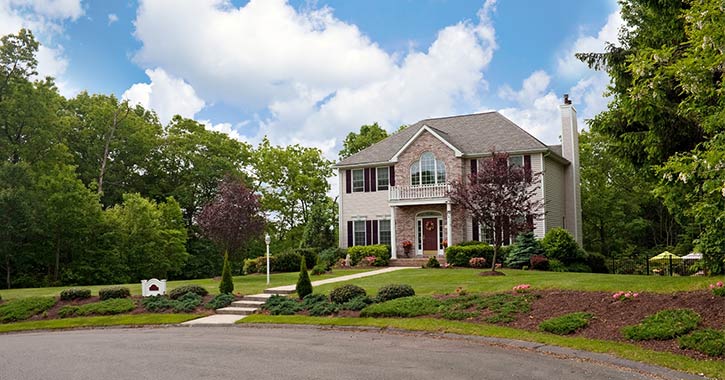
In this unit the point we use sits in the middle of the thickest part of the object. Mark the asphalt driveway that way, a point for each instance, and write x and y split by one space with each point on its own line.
272 353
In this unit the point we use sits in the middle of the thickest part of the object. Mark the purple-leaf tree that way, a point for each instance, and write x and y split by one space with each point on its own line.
233 216
499 195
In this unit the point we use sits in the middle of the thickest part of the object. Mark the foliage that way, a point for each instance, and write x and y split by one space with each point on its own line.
355 142
157 303
226 286
393 291
219 301
321 228
708 341
499 194
461 255
566 324
286 262
74 294
187 302
666 324
191 288
718 289
114 292
281 305
345 293
319 269
597 262
304 285
356 304
405 307
310 255
332 256
324 308
559 244
539 262
578 267
312 299
477 262
380 251
24 308
107 307
251 265
525 247
502 307
432 263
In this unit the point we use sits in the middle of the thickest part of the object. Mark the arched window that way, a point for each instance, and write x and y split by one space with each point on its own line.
427 170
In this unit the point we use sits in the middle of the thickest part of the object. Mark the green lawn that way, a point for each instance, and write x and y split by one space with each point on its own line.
440 281
108 320
711 368
251 284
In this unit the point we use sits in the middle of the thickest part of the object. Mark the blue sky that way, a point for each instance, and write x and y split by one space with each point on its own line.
311 71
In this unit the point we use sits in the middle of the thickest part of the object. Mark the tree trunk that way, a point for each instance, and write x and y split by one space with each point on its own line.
493 260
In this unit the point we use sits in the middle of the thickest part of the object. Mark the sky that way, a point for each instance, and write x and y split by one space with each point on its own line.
310 72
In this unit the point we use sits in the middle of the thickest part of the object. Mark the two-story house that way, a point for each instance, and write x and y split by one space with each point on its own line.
396 190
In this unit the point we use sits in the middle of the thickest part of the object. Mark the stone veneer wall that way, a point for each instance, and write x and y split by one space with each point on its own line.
405 224
426 142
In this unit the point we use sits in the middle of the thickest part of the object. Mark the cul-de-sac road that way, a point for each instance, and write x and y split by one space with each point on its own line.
179 353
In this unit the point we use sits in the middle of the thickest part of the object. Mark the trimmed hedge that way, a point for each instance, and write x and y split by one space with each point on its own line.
346 293
403 307
107 307
460 255
114 292
181 290
24 308
286 262
75 294
393 291
666 324
380 251
566 324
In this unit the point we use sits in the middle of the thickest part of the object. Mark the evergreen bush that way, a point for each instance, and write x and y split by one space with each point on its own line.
114 292
24 308
219 301
181 290
345 293
107 307
708 341
432 263
304 286
521 252
188 302
403 307
75 294
393 291
666 324
565 324
559 244
285 262
226 286
319 269
331 256
281 305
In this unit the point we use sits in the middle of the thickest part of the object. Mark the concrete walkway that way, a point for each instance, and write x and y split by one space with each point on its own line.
250 304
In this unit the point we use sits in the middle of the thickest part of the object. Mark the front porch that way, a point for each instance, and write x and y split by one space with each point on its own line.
429 228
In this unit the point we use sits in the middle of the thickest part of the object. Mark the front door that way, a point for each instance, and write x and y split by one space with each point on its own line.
430 236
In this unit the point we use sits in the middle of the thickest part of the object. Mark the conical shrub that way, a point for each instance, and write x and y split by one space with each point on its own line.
304 286
227 285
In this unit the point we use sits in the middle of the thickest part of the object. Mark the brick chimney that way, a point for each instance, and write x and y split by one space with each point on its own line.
572 185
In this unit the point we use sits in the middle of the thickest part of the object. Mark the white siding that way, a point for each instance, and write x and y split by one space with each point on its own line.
555 193
360 206
535 168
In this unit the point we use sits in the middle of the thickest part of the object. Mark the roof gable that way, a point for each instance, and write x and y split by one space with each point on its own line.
436 134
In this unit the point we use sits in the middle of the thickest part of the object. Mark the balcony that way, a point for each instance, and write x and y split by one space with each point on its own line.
423 194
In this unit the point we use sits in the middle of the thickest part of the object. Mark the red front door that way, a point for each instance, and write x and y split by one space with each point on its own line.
430 234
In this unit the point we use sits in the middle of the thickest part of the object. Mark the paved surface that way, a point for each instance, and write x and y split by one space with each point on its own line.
282 289
272 353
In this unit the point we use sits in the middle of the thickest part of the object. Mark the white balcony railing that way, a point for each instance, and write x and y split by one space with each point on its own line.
407 192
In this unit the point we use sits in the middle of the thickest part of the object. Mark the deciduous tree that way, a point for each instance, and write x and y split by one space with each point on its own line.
355 142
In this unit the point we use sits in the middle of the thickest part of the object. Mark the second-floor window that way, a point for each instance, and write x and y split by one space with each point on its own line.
516 161
358 180
383 180
427 170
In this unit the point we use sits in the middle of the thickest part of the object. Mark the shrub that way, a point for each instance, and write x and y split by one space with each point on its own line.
250 266
566 324
157 303
310 255
556 266
332 256
357 303
24 308
708 341
181 290
281 305
345 293
286 262
219 301
319 269
393 291
403 307
304 286
114 292
666 324
188 302
718 289
107 307
432 263
324 308
380 251
477 262
578 268
311 300
559 244
597 262
539 262
75 294
226 286
520 254
460 255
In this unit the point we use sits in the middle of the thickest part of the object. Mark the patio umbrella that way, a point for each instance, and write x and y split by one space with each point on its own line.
692 256
664 257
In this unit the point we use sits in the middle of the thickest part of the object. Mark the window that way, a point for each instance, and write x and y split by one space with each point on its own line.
485 234
384 232
420 234
358 232
516 161
383 180
440 234
358 180
427 171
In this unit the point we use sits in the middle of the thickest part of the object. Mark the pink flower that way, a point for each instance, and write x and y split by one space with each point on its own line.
635 295
719 284
615 295
712 286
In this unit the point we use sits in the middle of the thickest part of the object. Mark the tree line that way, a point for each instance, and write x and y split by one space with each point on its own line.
95 190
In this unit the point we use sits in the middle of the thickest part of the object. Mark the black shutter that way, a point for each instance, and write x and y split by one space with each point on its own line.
476 235
375 232
368 231
348 181
349 233
474 166
366 176
527 167
530 222
506 232
373 182
391 174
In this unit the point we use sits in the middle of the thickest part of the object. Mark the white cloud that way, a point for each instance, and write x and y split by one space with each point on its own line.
569 66
166 94
537 107
112 18
52 9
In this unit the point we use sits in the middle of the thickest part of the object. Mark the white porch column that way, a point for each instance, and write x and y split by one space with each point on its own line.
393 242
449 223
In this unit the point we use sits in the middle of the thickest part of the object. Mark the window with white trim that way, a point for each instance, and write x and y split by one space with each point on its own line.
384 232
516 161
485 234
358 236
358 180
427 170
383 178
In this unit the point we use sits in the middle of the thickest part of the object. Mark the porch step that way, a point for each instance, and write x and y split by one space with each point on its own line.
413 262
279 290
247 303
237 310
258 297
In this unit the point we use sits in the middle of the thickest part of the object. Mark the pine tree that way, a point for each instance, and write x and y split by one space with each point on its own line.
526 246
226 286
304 286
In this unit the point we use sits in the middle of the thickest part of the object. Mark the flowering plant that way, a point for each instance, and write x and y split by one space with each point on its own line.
718 289
407 244
522 288
461 291
369 260
477 262
624 296
444 243
447 265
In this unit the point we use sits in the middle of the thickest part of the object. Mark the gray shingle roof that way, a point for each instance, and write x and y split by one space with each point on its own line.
475 134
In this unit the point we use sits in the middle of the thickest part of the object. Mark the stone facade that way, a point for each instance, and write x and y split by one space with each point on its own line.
426 142
405 219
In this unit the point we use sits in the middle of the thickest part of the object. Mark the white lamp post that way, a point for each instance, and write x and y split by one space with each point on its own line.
267 240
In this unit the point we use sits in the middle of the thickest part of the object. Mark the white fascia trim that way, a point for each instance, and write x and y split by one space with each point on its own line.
456 151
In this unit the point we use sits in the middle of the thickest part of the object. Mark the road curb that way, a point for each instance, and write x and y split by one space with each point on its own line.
545 349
